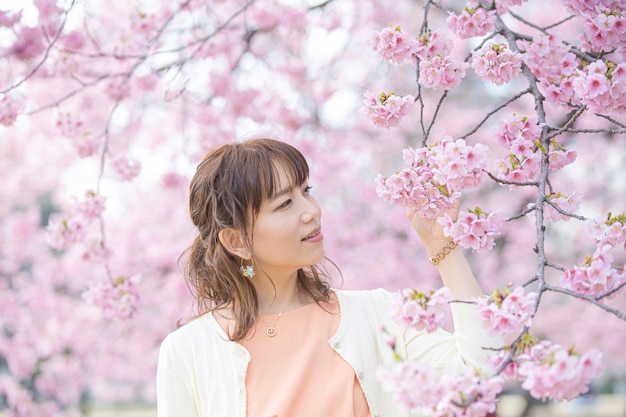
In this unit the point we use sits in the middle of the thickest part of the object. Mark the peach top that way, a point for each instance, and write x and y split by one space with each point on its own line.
296 372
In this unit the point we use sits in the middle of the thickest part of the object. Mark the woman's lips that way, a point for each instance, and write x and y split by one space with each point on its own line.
316 236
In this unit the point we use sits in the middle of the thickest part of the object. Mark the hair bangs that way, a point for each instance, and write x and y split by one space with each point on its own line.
269 158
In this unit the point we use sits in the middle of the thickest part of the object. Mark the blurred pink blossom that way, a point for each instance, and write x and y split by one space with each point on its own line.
463 394
92 206
62 232
126 168
421 311
11 105
567 203
549 371
386 109
118 299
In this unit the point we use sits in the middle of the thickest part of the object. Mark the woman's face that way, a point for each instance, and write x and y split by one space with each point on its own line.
287 232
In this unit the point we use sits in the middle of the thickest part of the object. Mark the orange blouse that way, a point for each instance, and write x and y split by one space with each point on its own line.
296 372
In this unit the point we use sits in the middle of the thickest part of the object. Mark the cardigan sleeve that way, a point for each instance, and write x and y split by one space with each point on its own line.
175 396
469 346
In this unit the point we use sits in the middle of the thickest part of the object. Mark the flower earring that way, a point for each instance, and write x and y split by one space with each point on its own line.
247 270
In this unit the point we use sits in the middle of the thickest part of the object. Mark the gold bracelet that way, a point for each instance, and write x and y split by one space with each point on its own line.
442 253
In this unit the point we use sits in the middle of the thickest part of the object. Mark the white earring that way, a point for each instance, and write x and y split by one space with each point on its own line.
247 271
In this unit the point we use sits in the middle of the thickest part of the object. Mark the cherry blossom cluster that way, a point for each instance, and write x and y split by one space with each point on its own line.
64 230
387 109
394 46
473 21
438 68
118 299
421 311
566 203
418 387
506 312
604 26
601 86
548 57
436 175
611 231
520 136
494 62
473 229
565 79
597 275
502 6
549 371
72 126
11 105
125 168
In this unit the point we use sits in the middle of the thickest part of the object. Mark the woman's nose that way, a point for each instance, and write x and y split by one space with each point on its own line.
311 210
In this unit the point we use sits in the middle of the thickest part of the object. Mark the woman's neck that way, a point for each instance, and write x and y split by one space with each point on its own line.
283 295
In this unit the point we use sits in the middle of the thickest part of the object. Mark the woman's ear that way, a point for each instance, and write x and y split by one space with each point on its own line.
234 243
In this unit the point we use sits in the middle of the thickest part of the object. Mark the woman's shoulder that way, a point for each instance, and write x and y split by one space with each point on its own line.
200 331
358 296
361 301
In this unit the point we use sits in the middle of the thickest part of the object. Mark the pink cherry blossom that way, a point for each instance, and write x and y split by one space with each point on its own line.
92 206
473 21
29 43
549 371
495 63
517 128
503 6
126 168
394 46
548 57
441 72
63 232
436 175
473 229
567 203
8 19
463 394
596 276
611 231
421 311
561 157
508 312
412 384
386 109
11 105
118 299
431 44
606 30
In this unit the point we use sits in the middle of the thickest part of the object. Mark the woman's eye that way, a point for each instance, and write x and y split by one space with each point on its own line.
307 189
285 204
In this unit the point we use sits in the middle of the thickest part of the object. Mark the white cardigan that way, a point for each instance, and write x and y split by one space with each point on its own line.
201 373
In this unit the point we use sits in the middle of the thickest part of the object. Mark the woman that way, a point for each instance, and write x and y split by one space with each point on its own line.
273 339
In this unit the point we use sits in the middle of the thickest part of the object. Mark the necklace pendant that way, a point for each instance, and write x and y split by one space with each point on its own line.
271 331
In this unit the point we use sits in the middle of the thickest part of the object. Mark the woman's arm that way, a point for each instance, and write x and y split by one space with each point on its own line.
453 268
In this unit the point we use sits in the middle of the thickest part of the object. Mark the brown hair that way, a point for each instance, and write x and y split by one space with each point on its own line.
227 191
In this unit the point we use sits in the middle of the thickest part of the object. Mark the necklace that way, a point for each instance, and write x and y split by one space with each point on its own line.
271 330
